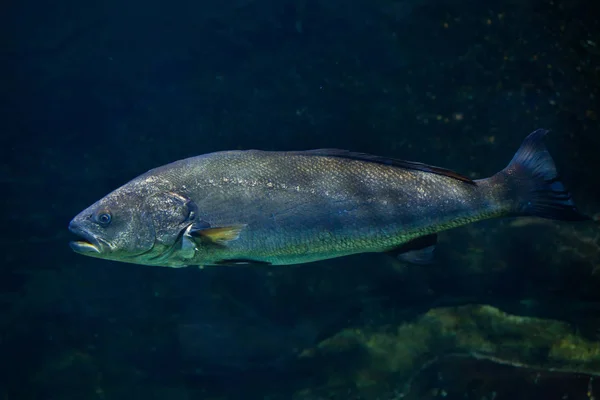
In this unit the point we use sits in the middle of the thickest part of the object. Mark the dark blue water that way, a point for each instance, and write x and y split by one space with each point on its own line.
95 93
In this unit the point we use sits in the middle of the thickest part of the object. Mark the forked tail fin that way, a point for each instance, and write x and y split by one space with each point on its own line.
532 181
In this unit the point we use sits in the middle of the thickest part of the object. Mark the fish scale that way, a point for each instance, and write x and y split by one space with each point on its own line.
378 219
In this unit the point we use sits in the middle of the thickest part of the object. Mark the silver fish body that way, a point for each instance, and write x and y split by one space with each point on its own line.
279 208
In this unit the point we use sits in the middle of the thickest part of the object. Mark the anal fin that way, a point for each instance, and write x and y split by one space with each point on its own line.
418 251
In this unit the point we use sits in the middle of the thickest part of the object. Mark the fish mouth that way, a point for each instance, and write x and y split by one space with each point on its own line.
89 243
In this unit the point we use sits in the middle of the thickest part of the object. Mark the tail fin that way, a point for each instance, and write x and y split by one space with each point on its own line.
532 177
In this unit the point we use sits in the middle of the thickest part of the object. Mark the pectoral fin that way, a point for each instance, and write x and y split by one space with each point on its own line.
418 251
218 235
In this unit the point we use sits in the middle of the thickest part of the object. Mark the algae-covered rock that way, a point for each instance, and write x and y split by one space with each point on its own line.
393 357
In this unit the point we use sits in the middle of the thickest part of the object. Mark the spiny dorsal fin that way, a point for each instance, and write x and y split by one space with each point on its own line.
386 161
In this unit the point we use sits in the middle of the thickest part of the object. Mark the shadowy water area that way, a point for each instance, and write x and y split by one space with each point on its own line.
95 93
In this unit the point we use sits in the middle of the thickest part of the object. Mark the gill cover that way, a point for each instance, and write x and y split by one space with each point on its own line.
170 214
178 227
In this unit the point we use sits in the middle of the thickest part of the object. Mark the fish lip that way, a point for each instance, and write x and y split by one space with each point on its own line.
84 247
89 244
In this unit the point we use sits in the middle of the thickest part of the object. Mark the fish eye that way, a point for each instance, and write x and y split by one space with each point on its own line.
104 218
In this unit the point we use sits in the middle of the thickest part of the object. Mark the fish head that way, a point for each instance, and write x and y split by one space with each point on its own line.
137 223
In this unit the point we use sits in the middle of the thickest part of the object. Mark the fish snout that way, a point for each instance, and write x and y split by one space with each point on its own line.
89 243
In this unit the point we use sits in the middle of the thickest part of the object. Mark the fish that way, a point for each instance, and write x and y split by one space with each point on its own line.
253 207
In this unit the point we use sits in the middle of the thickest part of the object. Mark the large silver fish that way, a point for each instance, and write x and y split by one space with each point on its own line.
245 207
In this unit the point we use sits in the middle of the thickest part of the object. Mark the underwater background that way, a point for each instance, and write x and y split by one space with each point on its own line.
95 93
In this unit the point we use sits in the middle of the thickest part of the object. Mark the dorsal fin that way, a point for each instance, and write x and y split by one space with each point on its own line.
386 161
